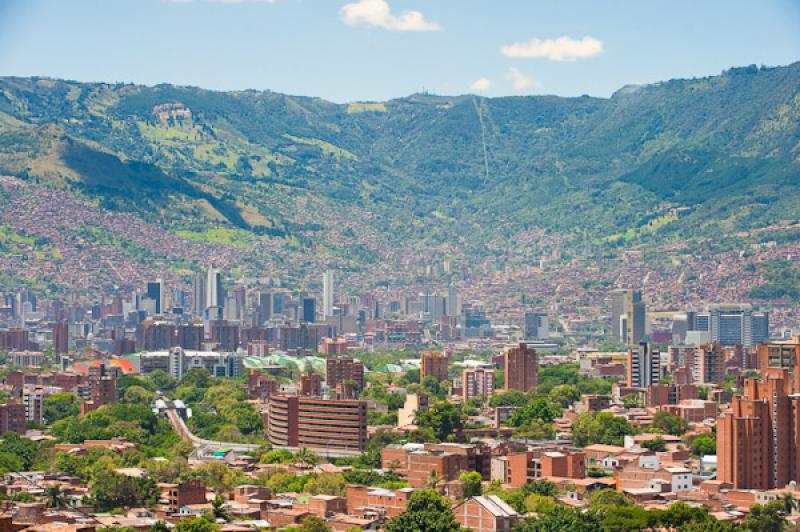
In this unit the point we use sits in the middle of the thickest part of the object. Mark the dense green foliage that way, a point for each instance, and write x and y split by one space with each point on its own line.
426 511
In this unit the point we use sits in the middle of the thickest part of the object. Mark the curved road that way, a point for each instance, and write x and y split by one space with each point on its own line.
204 446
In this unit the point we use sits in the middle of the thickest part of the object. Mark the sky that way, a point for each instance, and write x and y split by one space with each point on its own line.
358 50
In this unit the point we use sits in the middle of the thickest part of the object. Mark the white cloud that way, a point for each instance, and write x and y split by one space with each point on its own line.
519 81
562 49
481 85
378 14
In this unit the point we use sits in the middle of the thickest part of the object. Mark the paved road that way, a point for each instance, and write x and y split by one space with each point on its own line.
206 446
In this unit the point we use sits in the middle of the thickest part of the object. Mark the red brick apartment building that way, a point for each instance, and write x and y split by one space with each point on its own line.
364 500
418 461
344 369
521 368
434 364
478 382
757 440
322 424
517 469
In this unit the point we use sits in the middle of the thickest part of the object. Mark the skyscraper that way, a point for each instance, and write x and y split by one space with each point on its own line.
628 316
452 301
731 324
327 293
309 309
521 368
199 294
214 293
155 292
644 366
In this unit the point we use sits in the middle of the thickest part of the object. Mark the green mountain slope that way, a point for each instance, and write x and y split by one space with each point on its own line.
678 159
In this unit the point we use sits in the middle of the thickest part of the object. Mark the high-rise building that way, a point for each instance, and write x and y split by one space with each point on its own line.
316 423
264 309
478 382
225 334
433 364
60 338
730 324
215 295
757 438
453 307
644 366
327 293
521 368
190 336
344 369
199 295
628 316
782 355
155 292
537 326
309 309
709 364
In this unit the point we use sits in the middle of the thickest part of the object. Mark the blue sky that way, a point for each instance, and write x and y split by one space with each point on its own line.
348 50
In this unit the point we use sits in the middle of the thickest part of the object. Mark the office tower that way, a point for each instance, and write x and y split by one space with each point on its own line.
344 369
757 438
215 298
154 292
782 355
738 324
434 306
644 366
521 368
327 293
537 326
628 316
264 311
478 382
433 364
278 300
199 295
452 302
309 309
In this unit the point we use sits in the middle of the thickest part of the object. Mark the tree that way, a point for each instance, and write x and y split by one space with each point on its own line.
607 497
138 395
306 457
536 430
21 448
327 484
159 526
163 381
606 428
703 445
539 504
426 511
631 401
509 398
540 487
564 395
196 378
766 518
218 508
59 406
312 523
55 497
443 418
111 490
657 445
560 519
197 524
670 424
539 409
472 483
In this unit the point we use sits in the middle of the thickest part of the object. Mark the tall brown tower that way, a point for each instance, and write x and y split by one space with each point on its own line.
521 368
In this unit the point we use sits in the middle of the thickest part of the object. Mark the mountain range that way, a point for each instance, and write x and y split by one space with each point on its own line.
679 161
